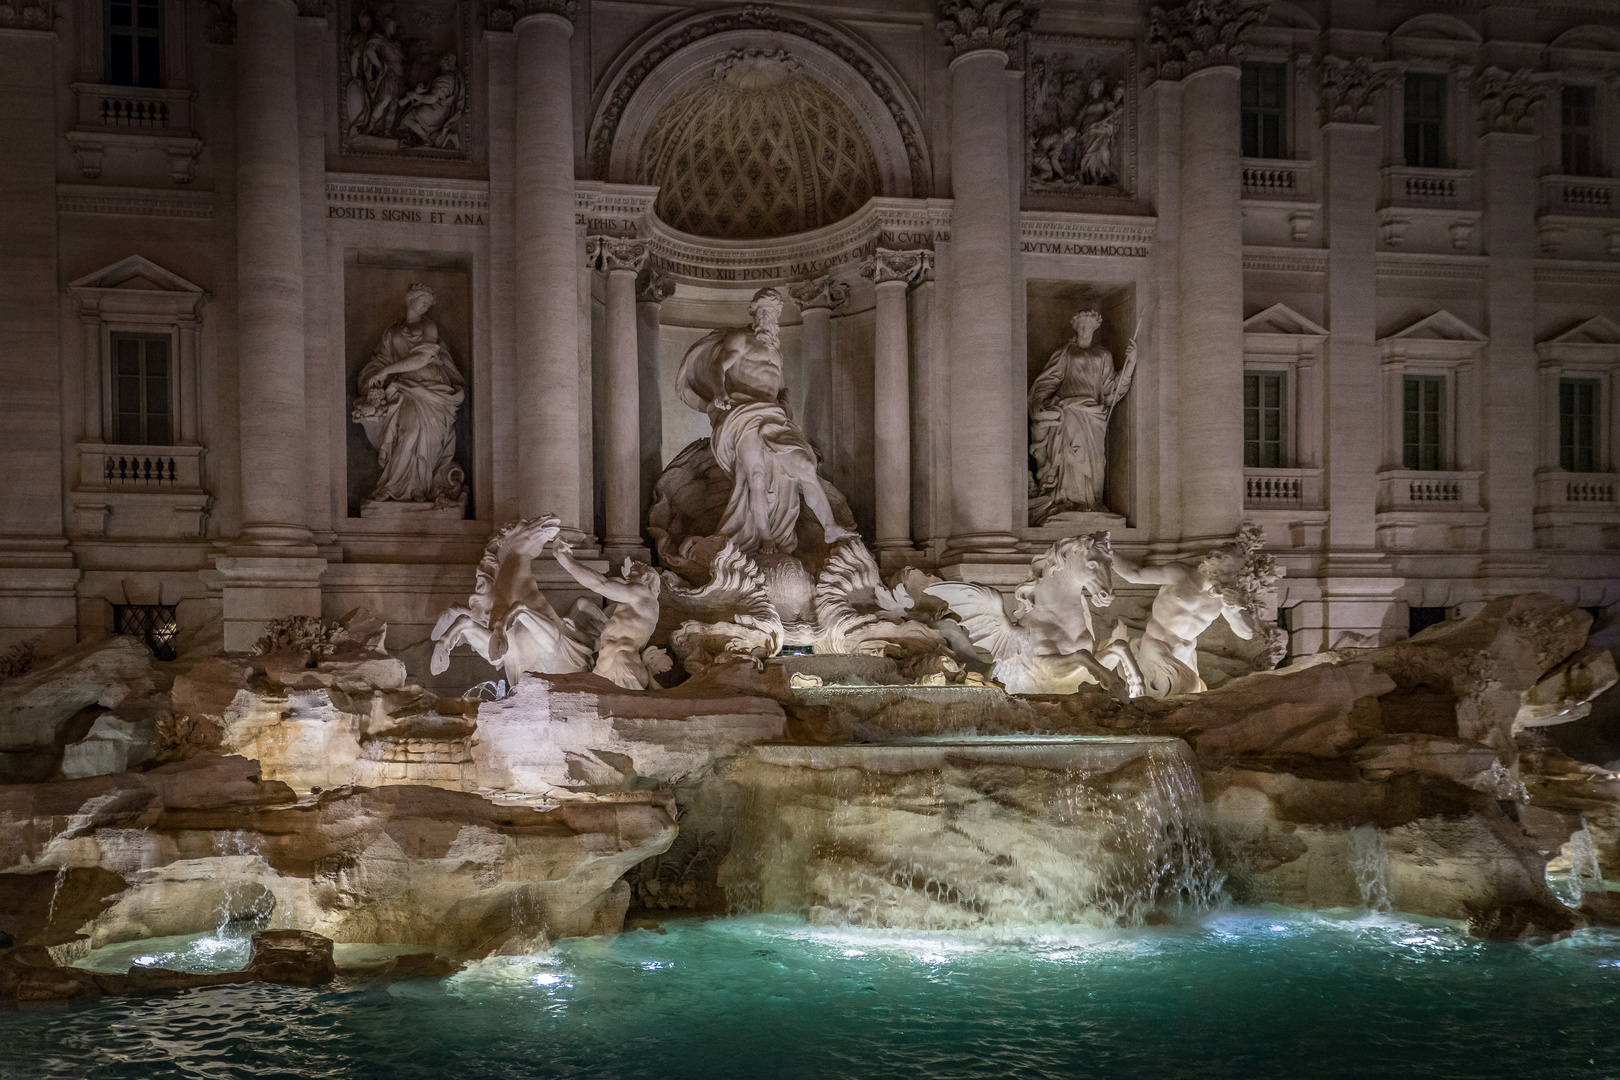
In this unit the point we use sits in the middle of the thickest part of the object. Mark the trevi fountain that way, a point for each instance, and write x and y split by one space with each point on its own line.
1063 540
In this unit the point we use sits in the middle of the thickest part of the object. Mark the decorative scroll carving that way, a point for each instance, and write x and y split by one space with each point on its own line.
907 266
504 14
821 292
753 17
653 287
1350 89
1076 109
608 253
403 84
1201 34
1506 98
985 24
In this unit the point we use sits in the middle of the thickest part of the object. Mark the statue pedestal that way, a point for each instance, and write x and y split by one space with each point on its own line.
416 511
1075 522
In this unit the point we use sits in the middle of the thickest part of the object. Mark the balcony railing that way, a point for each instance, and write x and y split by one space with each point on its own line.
104 467
1575 491
1413 489
1282 489
1595 195
1405 186
1269 178
134 108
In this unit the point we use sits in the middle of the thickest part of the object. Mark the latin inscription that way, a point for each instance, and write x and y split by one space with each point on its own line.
1047 247
414 217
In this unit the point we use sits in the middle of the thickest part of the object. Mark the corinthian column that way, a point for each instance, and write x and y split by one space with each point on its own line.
816 300
546 298
986 384
891 274
621 259
1198 44
271 571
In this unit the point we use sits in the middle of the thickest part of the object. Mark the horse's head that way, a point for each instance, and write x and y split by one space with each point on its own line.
530 536
1080 565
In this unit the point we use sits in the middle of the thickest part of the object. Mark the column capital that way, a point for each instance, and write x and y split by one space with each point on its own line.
821 292
905 266
1198 35
971 25
1350 88
653 287
616 253
1506 98
506 14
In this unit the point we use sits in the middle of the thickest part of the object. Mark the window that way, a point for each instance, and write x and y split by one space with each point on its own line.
1422 414
1264 94
1577 126
132 42
1262 420
140 377
1425 120
1577 425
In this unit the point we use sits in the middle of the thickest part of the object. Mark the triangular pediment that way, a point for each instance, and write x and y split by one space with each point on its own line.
136 273
1598 330
1281 319
1441 326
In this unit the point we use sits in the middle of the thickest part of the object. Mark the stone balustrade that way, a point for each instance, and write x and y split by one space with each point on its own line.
1594 195
1415 489
1265 178
1282 489
1404 186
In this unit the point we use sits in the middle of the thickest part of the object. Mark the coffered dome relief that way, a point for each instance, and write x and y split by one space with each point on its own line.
756 147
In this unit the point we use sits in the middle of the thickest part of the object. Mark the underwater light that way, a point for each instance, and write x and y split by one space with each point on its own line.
546 978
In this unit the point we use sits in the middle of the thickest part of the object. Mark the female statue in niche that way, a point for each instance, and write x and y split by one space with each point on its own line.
1069 408
409 394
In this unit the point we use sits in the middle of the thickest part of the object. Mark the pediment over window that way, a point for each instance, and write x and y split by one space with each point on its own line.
1282 319
1441 326
137 285
1591 38
1598 330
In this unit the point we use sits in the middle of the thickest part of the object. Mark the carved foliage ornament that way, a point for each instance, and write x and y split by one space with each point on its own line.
28 14
609 253
1506 98
985 24
822 292
504 14
753 17
1204 33
1350 89
907 266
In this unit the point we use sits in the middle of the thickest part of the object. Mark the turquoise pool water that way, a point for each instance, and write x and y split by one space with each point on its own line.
1242 994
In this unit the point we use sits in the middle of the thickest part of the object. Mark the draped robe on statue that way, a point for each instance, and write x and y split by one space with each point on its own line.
755 441
416 439
1071 450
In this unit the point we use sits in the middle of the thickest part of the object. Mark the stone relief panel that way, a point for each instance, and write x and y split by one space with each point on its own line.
1081 365
408 342
403 68
1080 117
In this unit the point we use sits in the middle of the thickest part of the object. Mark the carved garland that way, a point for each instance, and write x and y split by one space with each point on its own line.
755 17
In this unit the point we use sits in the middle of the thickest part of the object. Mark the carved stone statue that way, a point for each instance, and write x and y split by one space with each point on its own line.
734 374
382 66
622 653
357 91
1099 124
507 620
433 113
1069 408
408 397
1230 582
1074 124
1048 645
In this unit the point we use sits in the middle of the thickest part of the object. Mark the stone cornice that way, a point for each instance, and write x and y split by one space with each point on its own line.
909 267
134 202
821 292
971 25
1054 233
616 253
415 192
1200 34
1350 88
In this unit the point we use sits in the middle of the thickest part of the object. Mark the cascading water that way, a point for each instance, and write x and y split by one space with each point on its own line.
1575 871
955 833
1369 861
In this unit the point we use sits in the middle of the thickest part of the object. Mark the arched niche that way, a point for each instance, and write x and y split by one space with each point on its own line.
674 56
1437 27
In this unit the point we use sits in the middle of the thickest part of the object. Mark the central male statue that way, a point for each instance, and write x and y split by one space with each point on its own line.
734 375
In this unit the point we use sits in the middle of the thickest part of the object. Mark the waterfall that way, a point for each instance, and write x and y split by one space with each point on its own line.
1575 871
1369 861
245 899
964 832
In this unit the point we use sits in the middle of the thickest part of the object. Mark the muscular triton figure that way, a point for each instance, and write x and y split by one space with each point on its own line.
734 375
621 648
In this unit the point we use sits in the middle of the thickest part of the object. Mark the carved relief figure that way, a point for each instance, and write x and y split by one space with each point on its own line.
1230 583
1069 408
357 91
1075 120
382 65
1048 645
623 656
409 394
734 375
433 113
